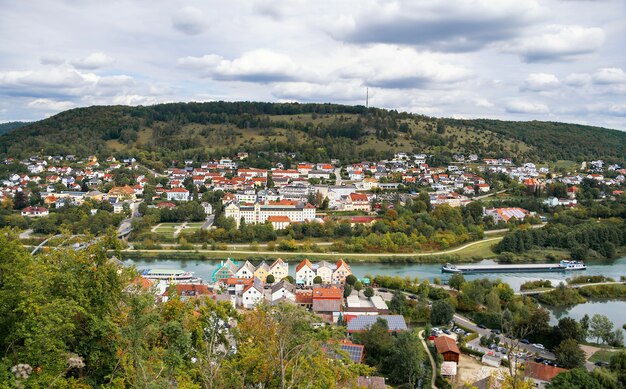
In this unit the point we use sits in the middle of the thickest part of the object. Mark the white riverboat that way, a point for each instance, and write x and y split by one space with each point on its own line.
170 275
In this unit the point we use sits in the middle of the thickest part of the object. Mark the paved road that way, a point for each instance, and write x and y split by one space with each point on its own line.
208 223
26 234
488 232
338 176
465 322
489 195
433 367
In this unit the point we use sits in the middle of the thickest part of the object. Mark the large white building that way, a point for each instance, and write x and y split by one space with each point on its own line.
258 212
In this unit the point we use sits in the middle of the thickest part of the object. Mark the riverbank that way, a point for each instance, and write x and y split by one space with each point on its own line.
564 297
473 251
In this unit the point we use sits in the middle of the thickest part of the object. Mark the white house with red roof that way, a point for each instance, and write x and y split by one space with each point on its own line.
252 295
35 211
177 194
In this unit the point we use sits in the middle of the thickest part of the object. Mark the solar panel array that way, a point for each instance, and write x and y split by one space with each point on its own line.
354 351
394 322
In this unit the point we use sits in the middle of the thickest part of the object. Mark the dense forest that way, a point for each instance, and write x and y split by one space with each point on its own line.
10 126
313 132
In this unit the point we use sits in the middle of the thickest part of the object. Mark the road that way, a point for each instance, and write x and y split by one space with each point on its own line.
489 195
465 322
26 234
433 367
126 225
208 223
488 232
156 174
575 286
338 180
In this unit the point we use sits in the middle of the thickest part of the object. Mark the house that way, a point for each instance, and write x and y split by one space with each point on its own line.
261 271
325 271
540 373
282 291
446 346
305 273
327 302
258 213
187 291
245 271
225 270
506 214
235 286
122 192
342 270
208 208
358 202
252 294
35 211
177 194
279 269
395 323
279 222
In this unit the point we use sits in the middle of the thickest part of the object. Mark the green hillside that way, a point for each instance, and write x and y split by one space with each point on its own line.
314 132
10 126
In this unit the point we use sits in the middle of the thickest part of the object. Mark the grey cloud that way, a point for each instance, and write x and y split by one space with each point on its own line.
189 20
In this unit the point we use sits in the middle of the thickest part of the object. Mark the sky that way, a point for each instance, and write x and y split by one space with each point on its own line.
556 60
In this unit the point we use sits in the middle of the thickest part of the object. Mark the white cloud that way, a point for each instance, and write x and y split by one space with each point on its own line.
306 91
93 61
51 60
519 106
51 105
133 99
608 76
259 65
558 43
189 20
537 82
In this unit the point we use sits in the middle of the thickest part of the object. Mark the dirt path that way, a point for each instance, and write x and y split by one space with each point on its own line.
433 367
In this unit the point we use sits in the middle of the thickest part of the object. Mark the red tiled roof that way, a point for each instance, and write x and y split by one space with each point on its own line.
278 219
446 344
304 297
358 197
305 262
540 371
332 292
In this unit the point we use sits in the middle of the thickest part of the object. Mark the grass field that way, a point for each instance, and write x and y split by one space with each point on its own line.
602 355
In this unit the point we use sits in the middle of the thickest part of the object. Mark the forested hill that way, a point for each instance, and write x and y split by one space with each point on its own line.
314 132
10 126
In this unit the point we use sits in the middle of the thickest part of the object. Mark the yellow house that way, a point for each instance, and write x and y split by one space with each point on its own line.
262 271
279 269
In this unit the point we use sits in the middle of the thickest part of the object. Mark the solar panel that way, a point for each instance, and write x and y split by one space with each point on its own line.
355 352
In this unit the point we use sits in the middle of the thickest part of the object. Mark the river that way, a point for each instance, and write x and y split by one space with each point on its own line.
204 268
614 309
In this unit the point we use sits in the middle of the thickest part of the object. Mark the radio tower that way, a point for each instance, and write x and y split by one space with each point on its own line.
367 98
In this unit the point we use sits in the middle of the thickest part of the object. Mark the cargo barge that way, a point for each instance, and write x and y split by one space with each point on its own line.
519 268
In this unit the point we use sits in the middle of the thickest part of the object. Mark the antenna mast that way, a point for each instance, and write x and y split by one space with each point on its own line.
367 98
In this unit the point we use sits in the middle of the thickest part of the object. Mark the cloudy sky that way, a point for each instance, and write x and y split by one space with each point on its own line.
558 60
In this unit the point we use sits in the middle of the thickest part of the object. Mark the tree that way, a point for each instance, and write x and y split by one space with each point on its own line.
358 286
347 290
569 354
369 292
456 281
405 364
574 379
351 279
568 328
317 280
442 312
270 279
290 279
398 303
600 327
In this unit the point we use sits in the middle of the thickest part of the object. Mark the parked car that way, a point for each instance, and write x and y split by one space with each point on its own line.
601 363
539 346
493 346
459 330
539 359
382 290
496 331
447 332
508 336
525 341
436 329
484 327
